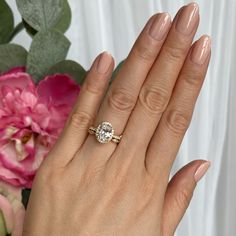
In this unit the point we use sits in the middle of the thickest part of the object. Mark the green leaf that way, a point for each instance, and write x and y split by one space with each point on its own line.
62 25
41 14
30 30
75 70
115 72
65 20
17 30
6 22
47 49
11 55
25 196
3 230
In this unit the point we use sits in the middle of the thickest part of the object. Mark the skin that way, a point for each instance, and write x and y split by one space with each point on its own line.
87 188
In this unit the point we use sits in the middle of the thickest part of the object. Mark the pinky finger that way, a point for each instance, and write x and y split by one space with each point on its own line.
179 194
84 111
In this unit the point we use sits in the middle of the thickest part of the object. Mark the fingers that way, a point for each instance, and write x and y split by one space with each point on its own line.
175 120
124 90
179 193
85 109
156 90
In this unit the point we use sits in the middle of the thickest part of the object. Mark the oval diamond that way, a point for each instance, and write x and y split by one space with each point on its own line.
104 132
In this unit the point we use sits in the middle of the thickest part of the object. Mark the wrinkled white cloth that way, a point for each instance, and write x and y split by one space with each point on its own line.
113 25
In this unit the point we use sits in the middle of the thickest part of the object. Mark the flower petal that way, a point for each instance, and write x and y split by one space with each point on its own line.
12 208
58 89
3 230
7 212
18 80
11 177
15 70
19 215
20 173
6 188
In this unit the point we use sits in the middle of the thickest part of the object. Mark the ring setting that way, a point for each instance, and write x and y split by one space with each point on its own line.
104 133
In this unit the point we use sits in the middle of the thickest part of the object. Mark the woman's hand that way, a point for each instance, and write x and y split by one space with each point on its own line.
87 188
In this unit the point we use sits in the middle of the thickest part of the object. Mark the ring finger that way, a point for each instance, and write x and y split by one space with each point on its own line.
123 93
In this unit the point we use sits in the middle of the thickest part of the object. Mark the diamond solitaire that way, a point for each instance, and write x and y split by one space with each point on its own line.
105 133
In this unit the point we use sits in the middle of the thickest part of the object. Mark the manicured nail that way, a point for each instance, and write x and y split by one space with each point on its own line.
160 26
104 62
201 50
187 19
201 171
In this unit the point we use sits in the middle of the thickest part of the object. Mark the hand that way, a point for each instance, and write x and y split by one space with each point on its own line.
87 188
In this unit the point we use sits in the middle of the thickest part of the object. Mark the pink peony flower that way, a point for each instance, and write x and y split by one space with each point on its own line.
31 119
12 211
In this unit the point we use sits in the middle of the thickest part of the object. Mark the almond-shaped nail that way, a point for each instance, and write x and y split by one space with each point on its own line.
201 50
201 171
160 26
187 19
104 62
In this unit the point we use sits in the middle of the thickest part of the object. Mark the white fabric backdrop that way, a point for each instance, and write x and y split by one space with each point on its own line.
113 25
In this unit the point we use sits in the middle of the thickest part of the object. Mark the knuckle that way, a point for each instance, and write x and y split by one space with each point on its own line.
182 198
144 51
93 87
177 121
174 53
154 99
81 120
121 100
191 79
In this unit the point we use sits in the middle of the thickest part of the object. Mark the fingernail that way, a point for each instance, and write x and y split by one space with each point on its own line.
187 19
201 50
160 26
104 62
201 171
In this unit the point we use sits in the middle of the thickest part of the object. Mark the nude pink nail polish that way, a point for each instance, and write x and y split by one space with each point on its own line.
160 26
201 171
104 62
201 50
187 19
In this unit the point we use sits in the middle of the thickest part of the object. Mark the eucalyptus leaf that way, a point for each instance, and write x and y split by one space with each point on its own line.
115 72
6 22
17 30
11 55
41 14
73 69
47 49
30 30
62 25
65 20
25 196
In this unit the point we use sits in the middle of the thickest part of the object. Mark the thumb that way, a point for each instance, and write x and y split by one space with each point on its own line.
179 194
